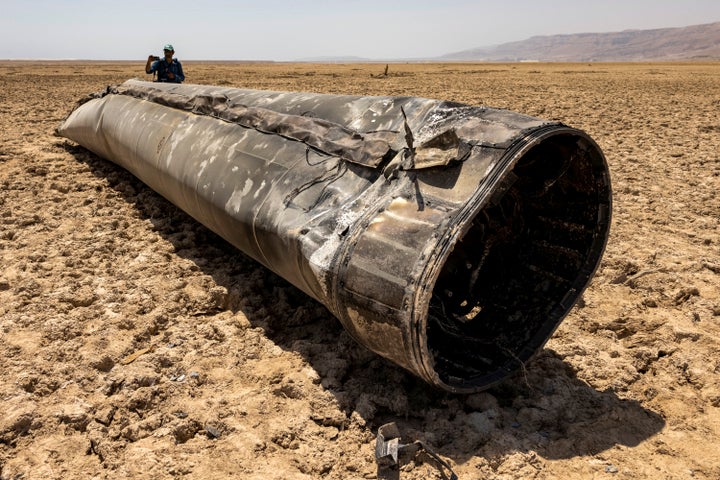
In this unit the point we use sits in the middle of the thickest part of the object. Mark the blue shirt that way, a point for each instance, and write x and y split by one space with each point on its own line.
163 68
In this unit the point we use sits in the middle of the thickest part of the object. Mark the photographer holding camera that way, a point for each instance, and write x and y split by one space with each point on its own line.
168 69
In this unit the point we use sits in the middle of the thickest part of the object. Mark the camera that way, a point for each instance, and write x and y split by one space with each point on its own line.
155 58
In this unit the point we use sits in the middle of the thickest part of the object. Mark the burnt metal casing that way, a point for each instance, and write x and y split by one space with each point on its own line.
450 239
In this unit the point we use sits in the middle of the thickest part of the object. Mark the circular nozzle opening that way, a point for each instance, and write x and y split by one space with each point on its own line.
522 263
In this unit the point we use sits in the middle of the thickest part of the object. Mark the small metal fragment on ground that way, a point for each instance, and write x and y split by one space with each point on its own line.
390 453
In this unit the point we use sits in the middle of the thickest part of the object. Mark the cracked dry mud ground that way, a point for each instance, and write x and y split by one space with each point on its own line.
134 343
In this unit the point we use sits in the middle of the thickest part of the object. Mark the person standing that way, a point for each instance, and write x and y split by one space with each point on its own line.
168 69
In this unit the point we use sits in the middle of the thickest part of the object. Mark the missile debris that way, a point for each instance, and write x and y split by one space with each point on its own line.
450 239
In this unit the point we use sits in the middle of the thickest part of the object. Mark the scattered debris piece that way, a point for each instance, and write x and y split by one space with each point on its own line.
390 453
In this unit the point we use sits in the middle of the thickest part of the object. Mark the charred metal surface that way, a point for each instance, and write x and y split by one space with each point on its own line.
448 238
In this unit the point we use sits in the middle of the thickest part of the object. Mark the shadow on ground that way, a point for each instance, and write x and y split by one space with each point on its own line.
544 409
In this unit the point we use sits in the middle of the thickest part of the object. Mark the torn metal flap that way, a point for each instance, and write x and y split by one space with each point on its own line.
441 150
387 445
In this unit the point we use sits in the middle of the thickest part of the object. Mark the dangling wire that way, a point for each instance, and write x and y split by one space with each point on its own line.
328 177
307 158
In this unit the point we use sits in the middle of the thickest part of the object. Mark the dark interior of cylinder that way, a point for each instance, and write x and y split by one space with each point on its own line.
522 264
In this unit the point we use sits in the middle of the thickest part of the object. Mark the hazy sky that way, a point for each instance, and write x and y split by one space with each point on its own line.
284 30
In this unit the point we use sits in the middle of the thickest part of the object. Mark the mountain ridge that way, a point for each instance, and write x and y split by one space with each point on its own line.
694 42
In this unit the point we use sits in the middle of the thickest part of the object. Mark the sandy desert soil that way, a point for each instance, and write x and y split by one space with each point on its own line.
134 343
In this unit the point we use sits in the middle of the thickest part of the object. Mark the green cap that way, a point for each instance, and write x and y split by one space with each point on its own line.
169 47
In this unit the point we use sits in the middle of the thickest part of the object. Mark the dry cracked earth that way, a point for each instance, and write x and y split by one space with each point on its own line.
134 343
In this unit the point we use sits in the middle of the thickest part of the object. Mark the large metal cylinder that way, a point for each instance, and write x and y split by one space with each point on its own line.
448 238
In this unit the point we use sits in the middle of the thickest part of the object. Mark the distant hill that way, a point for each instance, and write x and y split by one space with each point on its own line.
696 42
